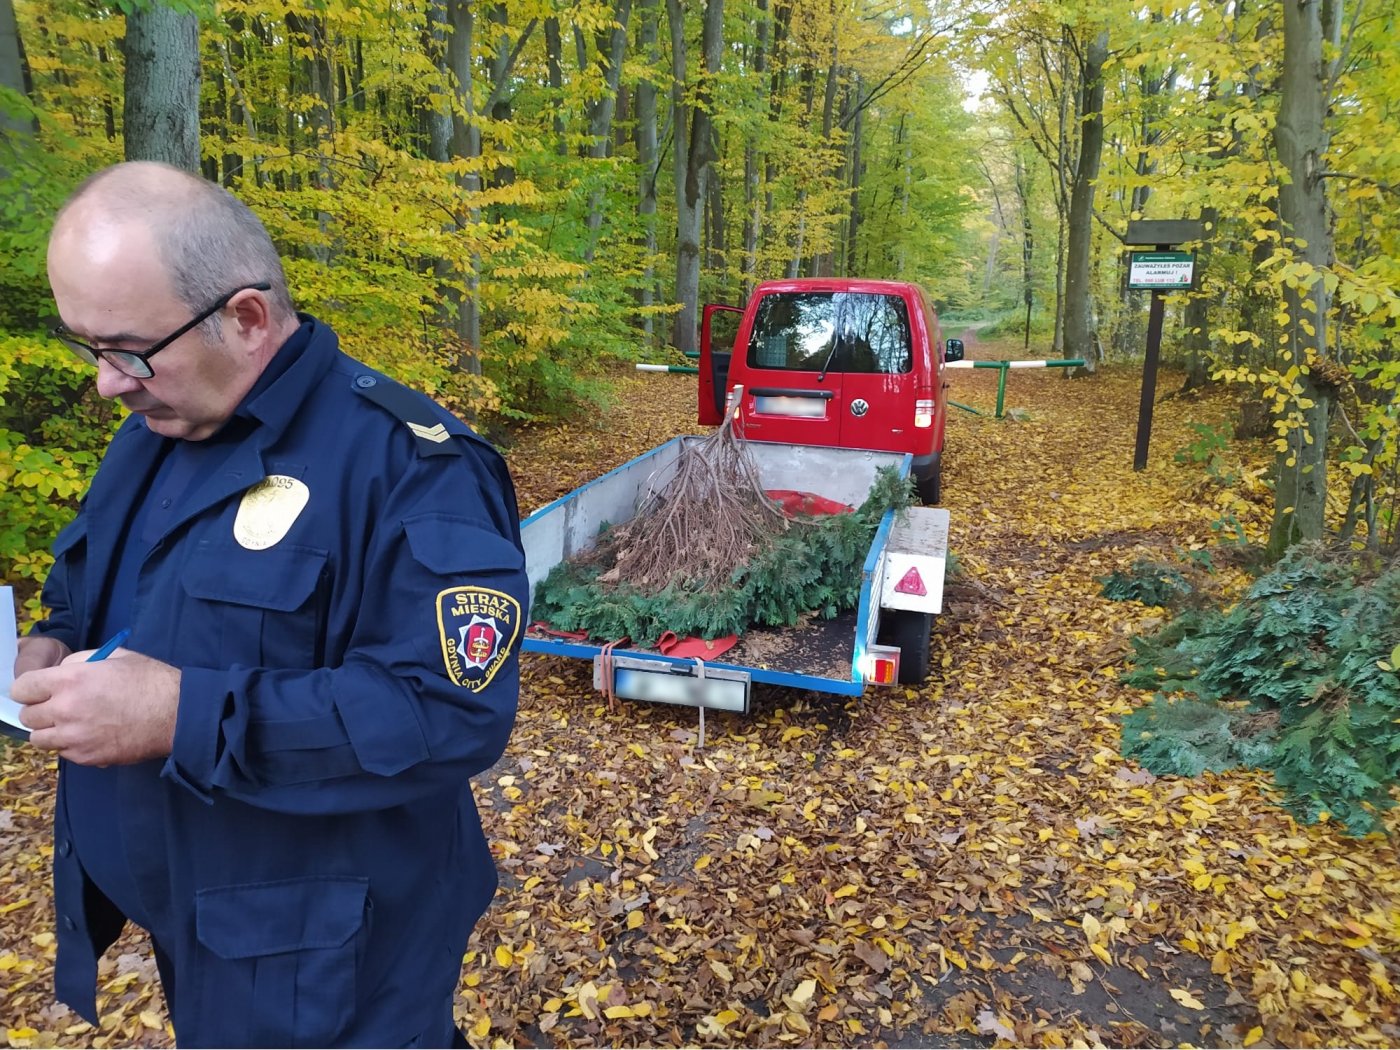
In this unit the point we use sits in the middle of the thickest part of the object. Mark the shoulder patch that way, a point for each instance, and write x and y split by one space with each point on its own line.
414 411
477 629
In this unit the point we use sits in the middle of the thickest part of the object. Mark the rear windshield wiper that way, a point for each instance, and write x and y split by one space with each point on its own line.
826 365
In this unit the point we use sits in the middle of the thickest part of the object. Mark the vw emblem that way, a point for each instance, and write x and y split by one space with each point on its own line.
859 407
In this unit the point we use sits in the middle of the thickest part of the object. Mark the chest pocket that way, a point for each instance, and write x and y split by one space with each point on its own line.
262 608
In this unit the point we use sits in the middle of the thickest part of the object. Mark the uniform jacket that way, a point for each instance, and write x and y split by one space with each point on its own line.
345 598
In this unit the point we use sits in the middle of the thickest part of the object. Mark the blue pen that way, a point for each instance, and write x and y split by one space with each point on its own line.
112 645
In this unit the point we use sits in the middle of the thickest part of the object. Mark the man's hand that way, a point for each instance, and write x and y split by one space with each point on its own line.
110 713
37 650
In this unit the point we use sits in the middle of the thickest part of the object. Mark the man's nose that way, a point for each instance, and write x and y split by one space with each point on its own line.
112 382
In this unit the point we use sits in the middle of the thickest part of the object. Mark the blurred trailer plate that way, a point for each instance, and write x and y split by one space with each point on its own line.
667 682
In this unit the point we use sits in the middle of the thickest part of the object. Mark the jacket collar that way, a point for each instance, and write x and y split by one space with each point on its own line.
135 451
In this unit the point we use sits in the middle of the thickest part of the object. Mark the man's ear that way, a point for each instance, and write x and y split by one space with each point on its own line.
252 316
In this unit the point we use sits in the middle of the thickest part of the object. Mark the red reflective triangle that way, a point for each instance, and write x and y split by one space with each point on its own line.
912 583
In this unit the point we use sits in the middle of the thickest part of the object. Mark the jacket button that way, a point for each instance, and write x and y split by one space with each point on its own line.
69 924
365 382
65 847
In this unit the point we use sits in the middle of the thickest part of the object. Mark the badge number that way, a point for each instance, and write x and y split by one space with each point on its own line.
477 628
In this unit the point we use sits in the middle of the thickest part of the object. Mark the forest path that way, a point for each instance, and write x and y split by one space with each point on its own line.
948 865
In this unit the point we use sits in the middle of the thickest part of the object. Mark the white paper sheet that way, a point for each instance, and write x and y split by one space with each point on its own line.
9 646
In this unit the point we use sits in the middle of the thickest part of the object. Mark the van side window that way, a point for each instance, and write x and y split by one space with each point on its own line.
793 331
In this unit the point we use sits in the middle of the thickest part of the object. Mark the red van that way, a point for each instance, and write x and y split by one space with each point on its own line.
835 361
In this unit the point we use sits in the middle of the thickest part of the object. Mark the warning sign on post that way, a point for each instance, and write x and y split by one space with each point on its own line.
1160 271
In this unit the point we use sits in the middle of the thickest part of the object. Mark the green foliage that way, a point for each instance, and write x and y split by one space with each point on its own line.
52 430
812 568
1149 582
1308 648
1209 452
1187 737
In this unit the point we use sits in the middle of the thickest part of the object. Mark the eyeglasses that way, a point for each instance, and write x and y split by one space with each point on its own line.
137 363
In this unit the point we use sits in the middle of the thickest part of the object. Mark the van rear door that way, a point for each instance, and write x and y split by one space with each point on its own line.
878 385
793 391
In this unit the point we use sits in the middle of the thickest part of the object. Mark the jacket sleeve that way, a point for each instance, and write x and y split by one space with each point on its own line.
418 692
63 593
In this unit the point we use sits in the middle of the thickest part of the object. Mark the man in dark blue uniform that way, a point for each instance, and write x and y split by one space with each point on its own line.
322 576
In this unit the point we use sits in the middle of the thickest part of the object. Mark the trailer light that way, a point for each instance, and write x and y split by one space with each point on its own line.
911 583
880 665
923 414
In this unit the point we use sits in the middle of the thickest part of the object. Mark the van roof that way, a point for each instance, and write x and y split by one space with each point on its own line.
837 284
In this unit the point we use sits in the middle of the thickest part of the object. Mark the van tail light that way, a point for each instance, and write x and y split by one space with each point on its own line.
923 413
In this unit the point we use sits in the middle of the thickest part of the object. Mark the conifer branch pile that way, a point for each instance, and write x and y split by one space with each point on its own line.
702 527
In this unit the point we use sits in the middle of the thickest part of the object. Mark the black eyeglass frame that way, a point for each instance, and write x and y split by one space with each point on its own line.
137 363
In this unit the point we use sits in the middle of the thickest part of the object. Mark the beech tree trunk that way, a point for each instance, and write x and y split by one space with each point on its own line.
160 116
647 158
14 74
1301 138
694 170
1079 300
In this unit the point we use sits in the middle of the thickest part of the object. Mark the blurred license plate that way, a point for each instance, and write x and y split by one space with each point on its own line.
807 407
665 683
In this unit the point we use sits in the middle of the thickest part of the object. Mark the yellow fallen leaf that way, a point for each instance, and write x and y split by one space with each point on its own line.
1201 882
721 971
1253 1036
615 1012
151 1020
1186 999
1091 928
1102 953
482 1028
504 956
802 994
703 862
846 891
827 1013
730 1016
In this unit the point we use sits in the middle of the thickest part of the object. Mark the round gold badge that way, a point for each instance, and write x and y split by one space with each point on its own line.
268 510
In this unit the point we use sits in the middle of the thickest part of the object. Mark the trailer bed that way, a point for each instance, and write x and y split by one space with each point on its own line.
816 654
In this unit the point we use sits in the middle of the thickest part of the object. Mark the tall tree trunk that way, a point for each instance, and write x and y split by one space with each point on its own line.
753 207
1023 194
612 47
1079 305
1196 317
15 130
853 230
699 156
160 117
647 159
466 144
1301 138
554 64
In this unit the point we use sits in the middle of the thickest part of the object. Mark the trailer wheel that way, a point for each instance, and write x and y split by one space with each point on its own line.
912 633
930 486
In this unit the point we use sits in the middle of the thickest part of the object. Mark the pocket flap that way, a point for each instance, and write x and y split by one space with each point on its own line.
269 918
280 578
447 544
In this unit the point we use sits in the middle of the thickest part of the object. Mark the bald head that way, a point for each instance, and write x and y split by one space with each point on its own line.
207 240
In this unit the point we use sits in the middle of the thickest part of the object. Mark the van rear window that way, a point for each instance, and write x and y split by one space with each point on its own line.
838 331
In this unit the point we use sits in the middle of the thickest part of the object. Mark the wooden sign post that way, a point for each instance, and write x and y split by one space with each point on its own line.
1158 271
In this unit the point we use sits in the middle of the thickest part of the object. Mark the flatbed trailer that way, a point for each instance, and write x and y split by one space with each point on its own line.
883 640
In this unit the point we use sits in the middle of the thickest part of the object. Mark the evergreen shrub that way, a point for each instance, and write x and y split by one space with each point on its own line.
1297 679
812 568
